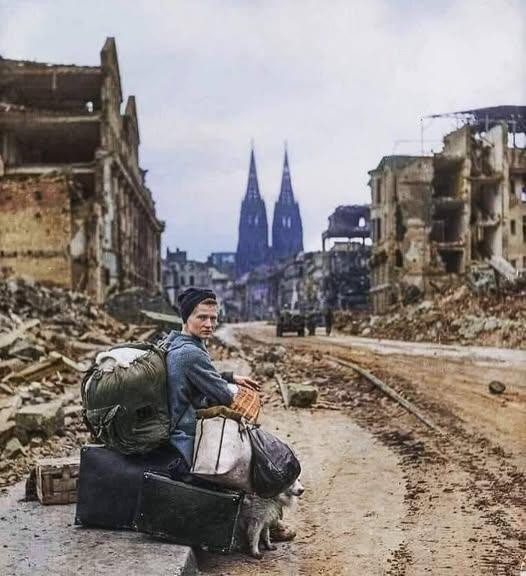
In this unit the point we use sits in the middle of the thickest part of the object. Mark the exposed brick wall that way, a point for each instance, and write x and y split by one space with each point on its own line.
35 228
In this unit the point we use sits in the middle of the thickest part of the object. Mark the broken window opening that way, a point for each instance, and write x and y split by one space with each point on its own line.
512 227
484 202
378 191
448 223
452 261
400 228
399 259
524 229
191 280
447 178
523 194
484 242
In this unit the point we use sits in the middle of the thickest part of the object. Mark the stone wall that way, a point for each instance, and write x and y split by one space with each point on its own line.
35 228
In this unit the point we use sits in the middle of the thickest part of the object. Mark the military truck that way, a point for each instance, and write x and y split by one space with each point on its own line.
290 321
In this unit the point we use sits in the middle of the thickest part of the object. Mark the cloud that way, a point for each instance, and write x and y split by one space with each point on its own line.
343 81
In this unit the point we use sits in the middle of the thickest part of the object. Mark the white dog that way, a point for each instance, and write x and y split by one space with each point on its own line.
259 514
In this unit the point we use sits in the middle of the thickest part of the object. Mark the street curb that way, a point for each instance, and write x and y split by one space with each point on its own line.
38 540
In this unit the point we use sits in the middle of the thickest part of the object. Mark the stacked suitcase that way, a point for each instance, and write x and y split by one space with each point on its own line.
134 492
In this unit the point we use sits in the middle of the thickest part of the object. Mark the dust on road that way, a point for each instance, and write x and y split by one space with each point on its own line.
385 495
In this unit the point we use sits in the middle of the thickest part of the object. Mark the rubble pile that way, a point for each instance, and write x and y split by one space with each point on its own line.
304 375
48 338
457 316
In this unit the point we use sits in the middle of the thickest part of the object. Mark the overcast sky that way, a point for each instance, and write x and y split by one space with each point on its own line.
344 82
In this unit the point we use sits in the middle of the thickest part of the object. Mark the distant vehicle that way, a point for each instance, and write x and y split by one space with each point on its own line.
290 321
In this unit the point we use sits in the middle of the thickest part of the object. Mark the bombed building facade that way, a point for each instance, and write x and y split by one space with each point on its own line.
75 208
438 217
180 273
346 279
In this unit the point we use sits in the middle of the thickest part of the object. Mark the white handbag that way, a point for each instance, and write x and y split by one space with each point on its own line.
223 453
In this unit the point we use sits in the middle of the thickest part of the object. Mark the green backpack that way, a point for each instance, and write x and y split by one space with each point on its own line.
126 408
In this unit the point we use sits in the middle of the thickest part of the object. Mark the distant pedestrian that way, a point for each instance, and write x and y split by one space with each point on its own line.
328 320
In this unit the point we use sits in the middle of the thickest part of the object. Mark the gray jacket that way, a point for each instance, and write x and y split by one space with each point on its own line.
193 383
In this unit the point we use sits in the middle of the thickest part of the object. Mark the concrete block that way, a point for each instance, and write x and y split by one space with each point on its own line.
302 395
41 540
7 431
45 419
268 369
12 449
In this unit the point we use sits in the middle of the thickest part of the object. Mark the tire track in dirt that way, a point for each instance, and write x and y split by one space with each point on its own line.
465 504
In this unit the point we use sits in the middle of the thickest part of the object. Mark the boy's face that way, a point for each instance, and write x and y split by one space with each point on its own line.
202 321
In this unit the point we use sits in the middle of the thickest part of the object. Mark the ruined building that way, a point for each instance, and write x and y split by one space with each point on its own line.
75 210
353 221
438 217
346 283
287 229
252 247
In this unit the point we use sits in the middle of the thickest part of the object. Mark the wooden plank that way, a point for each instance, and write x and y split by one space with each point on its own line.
97 338
148 334
388 391
283 389
68 361
164 318
87 347
36 370
8 339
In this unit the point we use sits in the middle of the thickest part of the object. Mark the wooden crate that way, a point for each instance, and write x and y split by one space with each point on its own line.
57 480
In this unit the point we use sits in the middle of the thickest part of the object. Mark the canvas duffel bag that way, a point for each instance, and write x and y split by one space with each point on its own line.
222 452
125 399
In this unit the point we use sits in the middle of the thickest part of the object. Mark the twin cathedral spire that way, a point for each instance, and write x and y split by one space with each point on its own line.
287 231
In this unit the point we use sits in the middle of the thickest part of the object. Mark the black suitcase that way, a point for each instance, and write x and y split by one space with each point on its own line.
110 483
188 514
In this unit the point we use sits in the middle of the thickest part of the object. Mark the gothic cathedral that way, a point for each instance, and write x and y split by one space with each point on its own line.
287 230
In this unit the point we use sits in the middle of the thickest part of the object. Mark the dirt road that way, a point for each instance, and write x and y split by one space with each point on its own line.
385 494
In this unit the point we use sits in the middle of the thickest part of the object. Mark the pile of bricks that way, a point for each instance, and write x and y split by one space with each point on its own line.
48 338
456 316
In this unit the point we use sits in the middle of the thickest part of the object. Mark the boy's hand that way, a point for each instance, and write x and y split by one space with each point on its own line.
247 382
